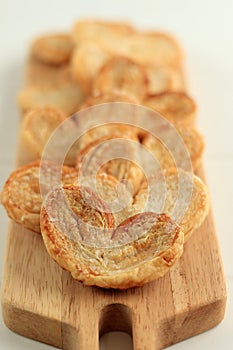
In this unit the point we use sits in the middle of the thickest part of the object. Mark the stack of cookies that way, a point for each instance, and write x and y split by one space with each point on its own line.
113 224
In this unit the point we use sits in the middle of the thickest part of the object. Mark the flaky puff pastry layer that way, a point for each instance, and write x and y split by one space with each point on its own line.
21 194
37 127
177 107
149 243
35 139
91 158
163 79
114 193
180 194
171 153
122 74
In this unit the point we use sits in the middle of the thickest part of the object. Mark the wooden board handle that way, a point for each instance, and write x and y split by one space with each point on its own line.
117 317
144 331
112 317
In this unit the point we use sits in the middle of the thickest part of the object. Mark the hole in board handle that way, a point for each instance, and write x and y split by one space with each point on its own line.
115 327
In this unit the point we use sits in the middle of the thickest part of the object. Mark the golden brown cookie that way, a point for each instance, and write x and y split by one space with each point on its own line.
143 257
97 42
173 153
21 195
163 79
79 214
183 196
152 49
69 141
87 60
124 75
115 154
38 125
149 48
177 107
53 48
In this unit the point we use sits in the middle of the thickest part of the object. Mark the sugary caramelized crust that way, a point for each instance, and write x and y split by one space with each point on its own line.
125 171
181 195
151 244
36 138
172 153
163 79
152 49
79 214
122 74
53 49
177 107
87 60
114 193
21 194
101 157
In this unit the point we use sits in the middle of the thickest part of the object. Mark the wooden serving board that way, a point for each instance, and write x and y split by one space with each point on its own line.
43 302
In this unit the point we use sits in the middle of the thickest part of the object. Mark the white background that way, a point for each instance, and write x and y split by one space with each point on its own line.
205 29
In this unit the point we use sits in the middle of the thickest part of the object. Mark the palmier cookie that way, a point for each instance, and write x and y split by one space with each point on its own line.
163 79
144 255
122 74
177 107
181 195
87 60
91 160
74 215
169 155
53 49
153 49
21 195
38 125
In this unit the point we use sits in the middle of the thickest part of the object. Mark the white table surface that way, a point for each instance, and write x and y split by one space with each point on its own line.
205 29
